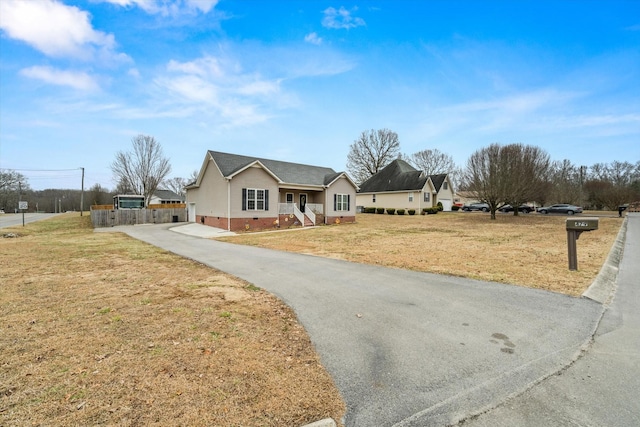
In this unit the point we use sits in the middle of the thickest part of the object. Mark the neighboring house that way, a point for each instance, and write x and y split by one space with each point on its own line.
165 197
465 197
236 192
401 186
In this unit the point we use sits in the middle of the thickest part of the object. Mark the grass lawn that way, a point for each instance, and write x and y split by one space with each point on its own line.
527 250
101 329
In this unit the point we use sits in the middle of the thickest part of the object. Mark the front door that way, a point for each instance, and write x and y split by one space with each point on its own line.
303 202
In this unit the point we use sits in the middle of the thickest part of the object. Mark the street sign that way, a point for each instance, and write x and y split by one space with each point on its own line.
23 205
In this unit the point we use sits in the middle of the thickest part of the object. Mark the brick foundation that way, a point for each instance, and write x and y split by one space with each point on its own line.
253 224
339 219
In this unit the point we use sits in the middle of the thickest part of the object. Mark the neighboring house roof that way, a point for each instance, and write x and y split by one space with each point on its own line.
438 180
167 195
400 176
285 172
396 176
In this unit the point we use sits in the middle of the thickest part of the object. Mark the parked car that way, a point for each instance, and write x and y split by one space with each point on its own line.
560 208
521 208
476 207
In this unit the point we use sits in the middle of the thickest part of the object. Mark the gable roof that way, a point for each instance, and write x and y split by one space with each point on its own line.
438 180
400 176
167 195
396 176
284 172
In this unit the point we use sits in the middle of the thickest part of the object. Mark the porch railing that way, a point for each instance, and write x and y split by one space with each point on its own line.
309 211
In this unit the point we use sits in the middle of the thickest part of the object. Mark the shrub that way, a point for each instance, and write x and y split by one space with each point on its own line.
369 210
440 207
391 211
455 208
400 211
432 211
380 210
411 211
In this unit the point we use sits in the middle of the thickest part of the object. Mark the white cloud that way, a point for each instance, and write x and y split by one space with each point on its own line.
168 8
76 80
341 18
218 87
313 39
55 29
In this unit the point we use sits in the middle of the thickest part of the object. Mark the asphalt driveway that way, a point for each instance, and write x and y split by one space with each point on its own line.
408 348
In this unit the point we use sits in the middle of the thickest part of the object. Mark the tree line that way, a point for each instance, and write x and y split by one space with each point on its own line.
506 174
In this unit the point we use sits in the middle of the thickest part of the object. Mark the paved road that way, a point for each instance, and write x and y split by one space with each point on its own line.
408 348
12 220
603 387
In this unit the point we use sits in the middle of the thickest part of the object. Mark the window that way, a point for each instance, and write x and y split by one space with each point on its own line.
445 185
289 198
374 198
340 202
427 197
255 199
410 197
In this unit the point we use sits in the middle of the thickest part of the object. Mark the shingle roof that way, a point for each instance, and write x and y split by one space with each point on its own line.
438 180
289 173
396 176
167 195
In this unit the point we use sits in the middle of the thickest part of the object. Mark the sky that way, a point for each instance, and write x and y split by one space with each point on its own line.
299 81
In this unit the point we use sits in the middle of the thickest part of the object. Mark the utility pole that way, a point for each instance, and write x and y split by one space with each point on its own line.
82 194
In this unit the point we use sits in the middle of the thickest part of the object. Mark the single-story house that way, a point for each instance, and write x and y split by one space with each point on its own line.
237 192
401 186
165 197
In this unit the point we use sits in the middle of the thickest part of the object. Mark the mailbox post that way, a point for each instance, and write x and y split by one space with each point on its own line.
575 227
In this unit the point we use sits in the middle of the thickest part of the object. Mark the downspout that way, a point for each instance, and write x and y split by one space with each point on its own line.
228 204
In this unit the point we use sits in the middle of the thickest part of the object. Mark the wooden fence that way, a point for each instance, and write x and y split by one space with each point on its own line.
106 216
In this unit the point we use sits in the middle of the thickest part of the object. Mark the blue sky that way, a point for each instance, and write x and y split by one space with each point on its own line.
300 80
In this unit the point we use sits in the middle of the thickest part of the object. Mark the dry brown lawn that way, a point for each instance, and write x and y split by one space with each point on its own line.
527 250
101 329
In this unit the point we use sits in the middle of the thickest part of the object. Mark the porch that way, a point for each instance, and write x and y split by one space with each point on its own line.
308 215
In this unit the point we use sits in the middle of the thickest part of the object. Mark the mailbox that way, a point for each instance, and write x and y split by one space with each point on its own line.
582 224
575 227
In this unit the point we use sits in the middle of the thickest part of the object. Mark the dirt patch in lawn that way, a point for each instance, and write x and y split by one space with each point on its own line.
527 250
101 329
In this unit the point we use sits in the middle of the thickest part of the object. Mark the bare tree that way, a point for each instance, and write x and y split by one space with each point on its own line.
433 162
142 169
98 195
512 174
371 152
11 183
176 184
612 184
482 177
524 170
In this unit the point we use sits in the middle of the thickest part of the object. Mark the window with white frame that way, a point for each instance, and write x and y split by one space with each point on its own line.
427 197
445 185
341 202
410 197
255 199
373 198
289 198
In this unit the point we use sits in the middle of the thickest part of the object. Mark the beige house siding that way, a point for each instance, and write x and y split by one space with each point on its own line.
341 186
399 200
253 177
210 197
445 196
